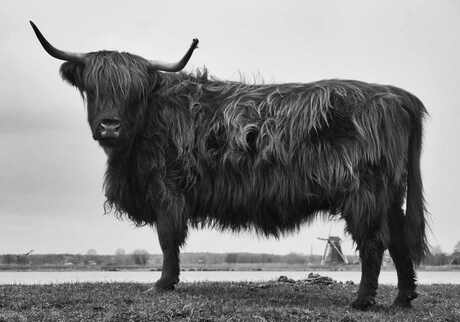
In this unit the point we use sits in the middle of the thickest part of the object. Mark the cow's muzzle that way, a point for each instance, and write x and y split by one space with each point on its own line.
107 131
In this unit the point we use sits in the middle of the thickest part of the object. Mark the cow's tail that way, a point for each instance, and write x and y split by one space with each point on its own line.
415 223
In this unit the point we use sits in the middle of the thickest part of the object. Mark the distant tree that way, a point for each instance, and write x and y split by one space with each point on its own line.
231 258
140 257
457 247
9 259
267 258
293 258
120 251
436 259
22 259
91 252
120 257
436 250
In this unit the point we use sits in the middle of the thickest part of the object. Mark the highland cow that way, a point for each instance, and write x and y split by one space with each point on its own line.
188 150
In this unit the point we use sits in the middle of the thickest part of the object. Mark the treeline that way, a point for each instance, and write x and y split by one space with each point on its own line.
442 259
291 258
142 258
63 260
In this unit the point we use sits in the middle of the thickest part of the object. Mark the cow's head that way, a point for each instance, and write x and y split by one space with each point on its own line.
115 85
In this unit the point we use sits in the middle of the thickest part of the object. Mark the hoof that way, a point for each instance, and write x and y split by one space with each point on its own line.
161 286
363 303
404 299
166 284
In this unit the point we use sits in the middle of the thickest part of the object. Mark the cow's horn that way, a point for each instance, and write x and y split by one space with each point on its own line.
175 67
56 53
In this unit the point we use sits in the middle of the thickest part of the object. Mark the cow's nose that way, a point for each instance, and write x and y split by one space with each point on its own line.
109 128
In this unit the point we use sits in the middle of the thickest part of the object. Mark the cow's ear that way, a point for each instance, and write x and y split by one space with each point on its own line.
73 73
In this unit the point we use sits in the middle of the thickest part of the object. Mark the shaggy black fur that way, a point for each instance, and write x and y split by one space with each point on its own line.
200 151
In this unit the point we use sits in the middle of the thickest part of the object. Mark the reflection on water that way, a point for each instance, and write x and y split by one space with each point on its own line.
386 277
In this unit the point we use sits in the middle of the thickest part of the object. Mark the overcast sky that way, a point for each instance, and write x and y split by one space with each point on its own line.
51 171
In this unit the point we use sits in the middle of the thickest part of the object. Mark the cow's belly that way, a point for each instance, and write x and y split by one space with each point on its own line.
270 204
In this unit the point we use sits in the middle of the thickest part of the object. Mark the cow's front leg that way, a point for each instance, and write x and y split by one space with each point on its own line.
172 230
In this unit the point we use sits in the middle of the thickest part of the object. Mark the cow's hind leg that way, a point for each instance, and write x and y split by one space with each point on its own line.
400 254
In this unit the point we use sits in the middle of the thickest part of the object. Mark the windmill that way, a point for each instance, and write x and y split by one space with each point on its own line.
333 251
23 259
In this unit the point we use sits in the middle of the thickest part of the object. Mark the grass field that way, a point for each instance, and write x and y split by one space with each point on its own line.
223 301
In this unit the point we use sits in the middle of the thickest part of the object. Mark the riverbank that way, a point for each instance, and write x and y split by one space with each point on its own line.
219 301
215 267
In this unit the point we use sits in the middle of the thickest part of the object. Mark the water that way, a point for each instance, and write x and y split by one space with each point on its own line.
386 277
